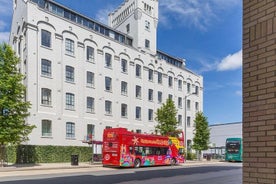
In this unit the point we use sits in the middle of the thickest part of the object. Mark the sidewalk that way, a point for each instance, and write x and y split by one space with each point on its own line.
50 166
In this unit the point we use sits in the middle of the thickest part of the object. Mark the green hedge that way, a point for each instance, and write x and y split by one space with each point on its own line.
25 154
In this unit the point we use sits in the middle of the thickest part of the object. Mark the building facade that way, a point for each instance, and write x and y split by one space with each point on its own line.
259 105
83 76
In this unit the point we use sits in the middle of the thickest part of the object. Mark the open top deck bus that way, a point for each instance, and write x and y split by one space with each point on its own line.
124 148
233 149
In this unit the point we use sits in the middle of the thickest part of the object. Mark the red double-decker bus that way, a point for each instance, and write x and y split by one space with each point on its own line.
124 148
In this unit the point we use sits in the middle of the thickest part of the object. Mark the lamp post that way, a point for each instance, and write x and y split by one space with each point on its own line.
185 117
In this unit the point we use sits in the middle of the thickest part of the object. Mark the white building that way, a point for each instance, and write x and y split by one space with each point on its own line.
83 76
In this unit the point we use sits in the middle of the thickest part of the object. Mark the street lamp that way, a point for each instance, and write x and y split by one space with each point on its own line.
185 117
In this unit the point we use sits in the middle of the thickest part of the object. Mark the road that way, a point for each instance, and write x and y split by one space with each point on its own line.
224 173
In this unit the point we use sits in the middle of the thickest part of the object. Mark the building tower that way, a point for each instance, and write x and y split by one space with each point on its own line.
138 19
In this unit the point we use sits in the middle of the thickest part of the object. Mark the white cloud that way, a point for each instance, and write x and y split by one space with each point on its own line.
193 13
238 93
102 14
4 37
231 62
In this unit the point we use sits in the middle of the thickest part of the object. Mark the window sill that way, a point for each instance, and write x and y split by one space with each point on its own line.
45 105
46 47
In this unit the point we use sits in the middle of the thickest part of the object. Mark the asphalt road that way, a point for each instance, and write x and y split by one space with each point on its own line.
226 173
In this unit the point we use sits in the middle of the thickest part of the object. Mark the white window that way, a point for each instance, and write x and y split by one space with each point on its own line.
188 88
127 28
108 107
124 88
179 102
179 120
46 98
124 110
159 78
147 25
90 79
70 130
90 104
147 43
188 105
45 38
124 66
138 69
170 81
196 90
89 53
159 97
138 113
150 75
138 93
70 101
188 121
180 85
46 68
150 115
46 128
197 106
108 60
70 76
150 95
108 84
69 47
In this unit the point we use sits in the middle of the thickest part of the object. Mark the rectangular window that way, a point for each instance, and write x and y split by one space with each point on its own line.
138 93
70 74
197 106
108 60
159 97
89 53
45 38
90 104
90 79
188 88
138 70
90 130
124 66
147 44
124 110
179 102
70 130
69 47
46 96
150 115
46 68
108 107
138 131
170 81
180 85
159 78
150 95
196 90
170 96
108 84
46 128
127 28
70 101
147 25
138 113
188 105
179 120
124 88
150 75
188 121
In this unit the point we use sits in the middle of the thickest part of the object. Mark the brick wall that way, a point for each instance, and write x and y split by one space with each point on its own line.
259 91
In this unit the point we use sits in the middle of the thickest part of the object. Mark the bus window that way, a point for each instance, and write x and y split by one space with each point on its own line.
130 150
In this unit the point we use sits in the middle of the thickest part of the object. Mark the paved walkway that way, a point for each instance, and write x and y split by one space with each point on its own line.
51 166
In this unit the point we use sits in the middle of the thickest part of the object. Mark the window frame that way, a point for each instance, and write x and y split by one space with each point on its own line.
69 47
48 36
46 125
46 96
70 130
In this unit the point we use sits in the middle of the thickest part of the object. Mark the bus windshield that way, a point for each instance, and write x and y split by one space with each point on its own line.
233 146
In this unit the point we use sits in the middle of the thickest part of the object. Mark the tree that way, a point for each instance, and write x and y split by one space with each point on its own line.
202 133
13 107
166 119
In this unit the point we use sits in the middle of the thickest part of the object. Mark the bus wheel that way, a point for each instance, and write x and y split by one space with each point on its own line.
173 161
137 163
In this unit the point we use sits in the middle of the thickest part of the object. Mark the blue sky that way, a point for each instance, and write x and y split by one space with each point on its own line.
207 33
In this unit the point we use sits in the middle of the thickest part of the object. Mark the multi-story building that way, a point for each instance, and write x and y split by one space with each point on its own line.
83 76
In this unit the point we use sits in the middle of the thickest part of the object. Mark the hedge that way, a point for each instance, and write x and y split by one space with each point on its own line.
26 154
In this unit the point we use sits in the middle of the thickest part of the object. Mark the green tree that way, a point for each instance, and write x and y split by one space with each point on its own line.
166 119
13 107
201 133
